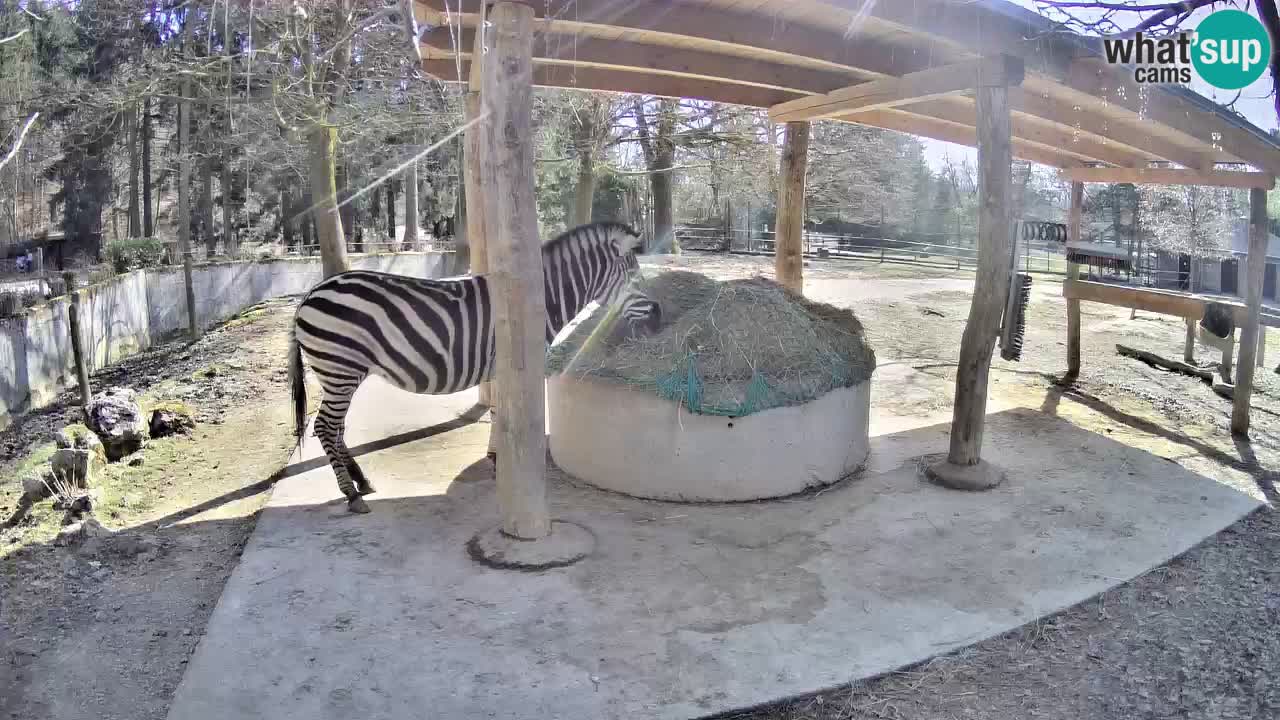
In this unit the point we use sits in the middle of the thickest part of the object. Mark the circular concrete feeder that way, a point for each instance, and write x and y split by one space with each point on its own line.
641 445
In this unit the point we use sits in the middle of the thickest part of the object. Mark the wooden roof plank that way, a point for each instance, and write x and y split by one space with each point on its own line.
1172 176
939 129
887 39
635 56
1114 129
962 111
766 32
895 91
623 81
1099 88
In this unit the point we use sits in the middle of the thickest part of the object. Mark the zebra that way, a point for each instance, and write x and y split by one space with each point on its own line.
436 337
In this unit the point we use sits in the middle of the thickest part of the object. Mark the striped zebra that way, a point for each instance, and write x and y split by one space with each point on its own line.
437 336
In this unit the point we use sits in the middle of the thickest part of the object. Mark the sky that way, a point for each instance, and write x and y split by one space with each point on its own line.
1254 103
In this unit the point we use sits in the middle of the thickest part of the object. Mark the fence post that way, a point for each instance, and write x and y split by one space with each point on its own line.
77 349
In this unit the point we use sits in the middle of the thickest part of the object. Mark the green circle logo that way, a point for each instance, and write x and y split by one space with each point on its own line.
1232 49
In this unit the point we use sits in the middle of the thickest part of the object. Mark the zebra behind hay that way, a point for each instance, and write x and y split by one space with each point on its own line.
436 337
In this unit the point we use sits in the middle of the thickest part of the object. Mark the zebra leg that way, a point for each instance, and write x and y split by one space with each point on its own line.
330 427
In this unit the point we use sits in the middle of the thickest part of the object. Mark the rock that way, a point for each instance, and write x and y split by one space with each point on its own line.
172 419
122 545
77 468
117 420
79 531
137 461
79 437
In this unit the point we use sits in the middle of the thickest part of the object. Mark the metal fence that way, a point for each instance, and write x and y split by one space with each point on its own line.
1035 257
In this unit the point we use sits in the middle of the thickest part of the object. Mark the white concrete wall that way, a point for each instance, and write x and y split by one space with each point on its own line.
124 315
223 289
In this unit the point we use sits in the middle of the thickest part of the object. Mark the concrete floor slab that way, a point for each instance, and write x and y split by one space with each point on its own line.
681 610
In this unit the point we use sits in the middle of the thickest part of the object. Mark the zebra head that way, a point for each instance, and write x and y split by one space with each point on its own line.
641 313
596 263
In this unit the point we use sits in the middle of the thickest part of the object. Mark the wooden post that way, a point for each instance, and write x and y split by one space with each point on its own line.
788 248
477 237
1257 262
477 217
77 346
515 272
1188 349
964 468
1074 216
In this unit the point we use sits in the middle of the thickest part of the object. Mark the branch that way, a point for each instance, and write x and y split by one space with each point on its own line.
14 36
18 143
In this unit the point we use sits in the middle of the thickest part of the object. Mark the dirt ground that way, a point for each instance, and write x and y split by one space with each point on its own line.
105 631
1194 638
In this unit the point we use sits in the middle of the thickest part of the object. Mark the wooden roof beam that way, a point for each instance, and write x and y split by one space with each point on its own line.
1111 129
1004 70
939 129
622 81
962 111
1097 86
1171 176
625 55
872 56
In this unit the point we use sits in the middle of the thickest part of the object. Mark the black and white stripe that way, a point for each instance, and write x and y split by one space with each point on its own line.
437 336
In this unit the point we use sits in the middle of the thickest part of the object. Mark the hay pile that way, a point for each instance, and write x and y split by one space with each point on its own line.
725 348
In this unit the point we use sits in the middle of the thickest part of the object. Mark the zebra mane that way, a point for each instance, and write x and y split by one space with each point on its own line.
630 242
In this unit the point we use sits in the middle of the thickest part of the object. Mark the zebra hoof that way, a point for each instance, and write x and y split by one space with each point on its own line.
493 458
367 490
357 505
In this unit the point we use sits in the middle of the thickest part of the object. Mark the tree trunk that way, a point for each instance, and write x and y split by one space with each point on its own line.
135 214
391 211
287 227
659 153
585 132
584 193
375 212
207 234
410 239
148 223
229 244
347 213
333 246
184 199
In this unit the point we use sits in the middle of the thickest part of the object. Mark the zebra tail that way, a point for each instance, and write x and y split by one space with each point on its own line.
297 386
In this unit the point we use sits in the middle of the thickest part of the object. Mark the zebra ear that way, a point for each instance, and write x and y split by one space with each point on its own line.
632 241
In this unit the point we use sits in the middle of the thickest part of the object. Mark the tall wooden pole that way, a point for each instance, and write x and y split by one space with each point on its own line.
1257 263
1074 217
515 272
789 248
477 217
77 346
963 468
184 191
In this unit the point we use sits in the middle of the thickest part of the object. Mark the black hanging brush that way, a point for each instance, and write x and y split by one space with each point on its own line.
1015 317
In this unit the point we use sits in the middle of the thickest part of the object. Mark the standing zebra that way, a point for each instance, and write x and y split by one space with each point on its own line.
436 337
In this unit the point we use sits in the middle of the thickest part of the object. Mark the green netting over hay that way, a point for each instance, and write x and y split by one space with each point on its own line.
725 348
